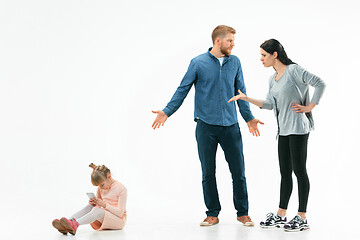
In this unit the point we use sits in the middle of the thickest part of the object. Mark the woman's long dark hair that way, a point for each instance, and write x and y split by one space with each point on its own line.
273 45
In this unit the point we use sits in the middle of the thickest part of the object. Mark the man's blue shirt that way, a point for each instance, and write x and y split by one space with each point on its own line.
214 86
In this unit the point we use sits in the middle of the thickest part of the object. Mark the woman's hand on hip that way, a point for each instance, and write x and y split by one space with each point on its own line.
302 109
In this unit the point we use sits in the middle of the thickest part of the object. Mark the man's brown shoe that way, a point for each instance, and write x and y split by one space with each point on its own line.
246 220
209 221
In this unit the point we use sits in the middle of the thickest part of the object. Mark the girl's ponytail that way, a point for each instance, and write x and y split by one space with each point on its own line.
93 166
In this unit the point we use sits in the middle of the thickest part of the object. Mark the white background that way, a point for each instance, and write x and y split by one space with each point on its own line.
78 81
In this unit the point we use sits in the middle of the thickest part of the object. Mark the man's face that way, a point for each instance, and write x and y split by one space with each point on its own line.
227 44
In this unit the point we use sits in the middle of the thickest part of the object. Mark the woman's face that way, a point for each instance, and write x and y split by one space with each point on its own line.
266 58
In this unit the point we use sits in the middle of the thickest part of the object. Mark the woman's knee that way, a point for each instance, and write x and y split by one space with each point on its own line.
301 174
286 174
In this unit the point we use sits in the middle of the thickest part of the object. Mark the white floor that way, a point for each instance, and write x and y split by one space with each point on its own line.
225 230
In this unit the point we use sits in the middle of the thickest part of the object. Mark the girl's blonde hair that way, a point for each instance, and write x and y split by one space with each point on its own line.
99 174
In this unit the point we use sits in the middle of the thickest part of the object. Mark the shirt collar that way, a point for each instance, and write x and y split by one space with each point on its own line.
211 55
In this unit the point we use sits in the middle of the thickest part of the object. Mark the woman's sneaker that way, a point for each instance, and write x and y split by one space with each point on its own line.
297 224
273 221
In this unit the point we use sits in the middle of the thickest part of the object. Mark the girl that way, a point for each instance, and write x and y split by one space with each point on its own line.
288 96
106 211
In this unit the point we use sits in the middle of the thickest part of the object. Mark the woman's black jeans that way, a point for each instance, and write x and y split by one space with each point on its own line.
292 152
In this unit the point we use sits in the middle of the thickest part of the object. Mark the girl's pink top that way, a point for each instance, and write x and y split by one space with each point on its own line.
115 214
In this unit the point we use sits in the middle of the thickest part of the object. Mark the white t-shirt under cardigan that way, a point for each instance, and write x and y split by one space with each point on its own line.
293 87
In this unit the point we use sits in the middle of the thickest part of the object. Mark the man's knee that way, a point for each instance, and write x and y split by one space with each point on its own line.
239 178
208 177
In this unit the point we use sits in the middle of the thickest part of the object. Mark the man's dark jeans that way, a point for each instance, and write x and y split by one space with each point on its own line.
229 137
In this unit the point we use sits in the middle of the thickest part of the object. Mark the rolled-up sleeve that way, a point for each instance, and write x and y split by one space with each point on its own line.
308 78
268 103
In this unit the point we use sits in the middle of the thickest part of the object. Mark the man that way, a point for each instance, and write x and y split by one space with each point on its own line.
217 76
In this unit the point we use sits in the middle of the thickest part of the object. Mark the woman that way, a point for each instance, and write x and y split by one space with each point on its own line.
288 96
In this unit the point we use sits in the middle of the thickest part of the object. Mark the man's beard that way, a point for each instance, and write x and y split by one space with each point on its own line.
225 51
